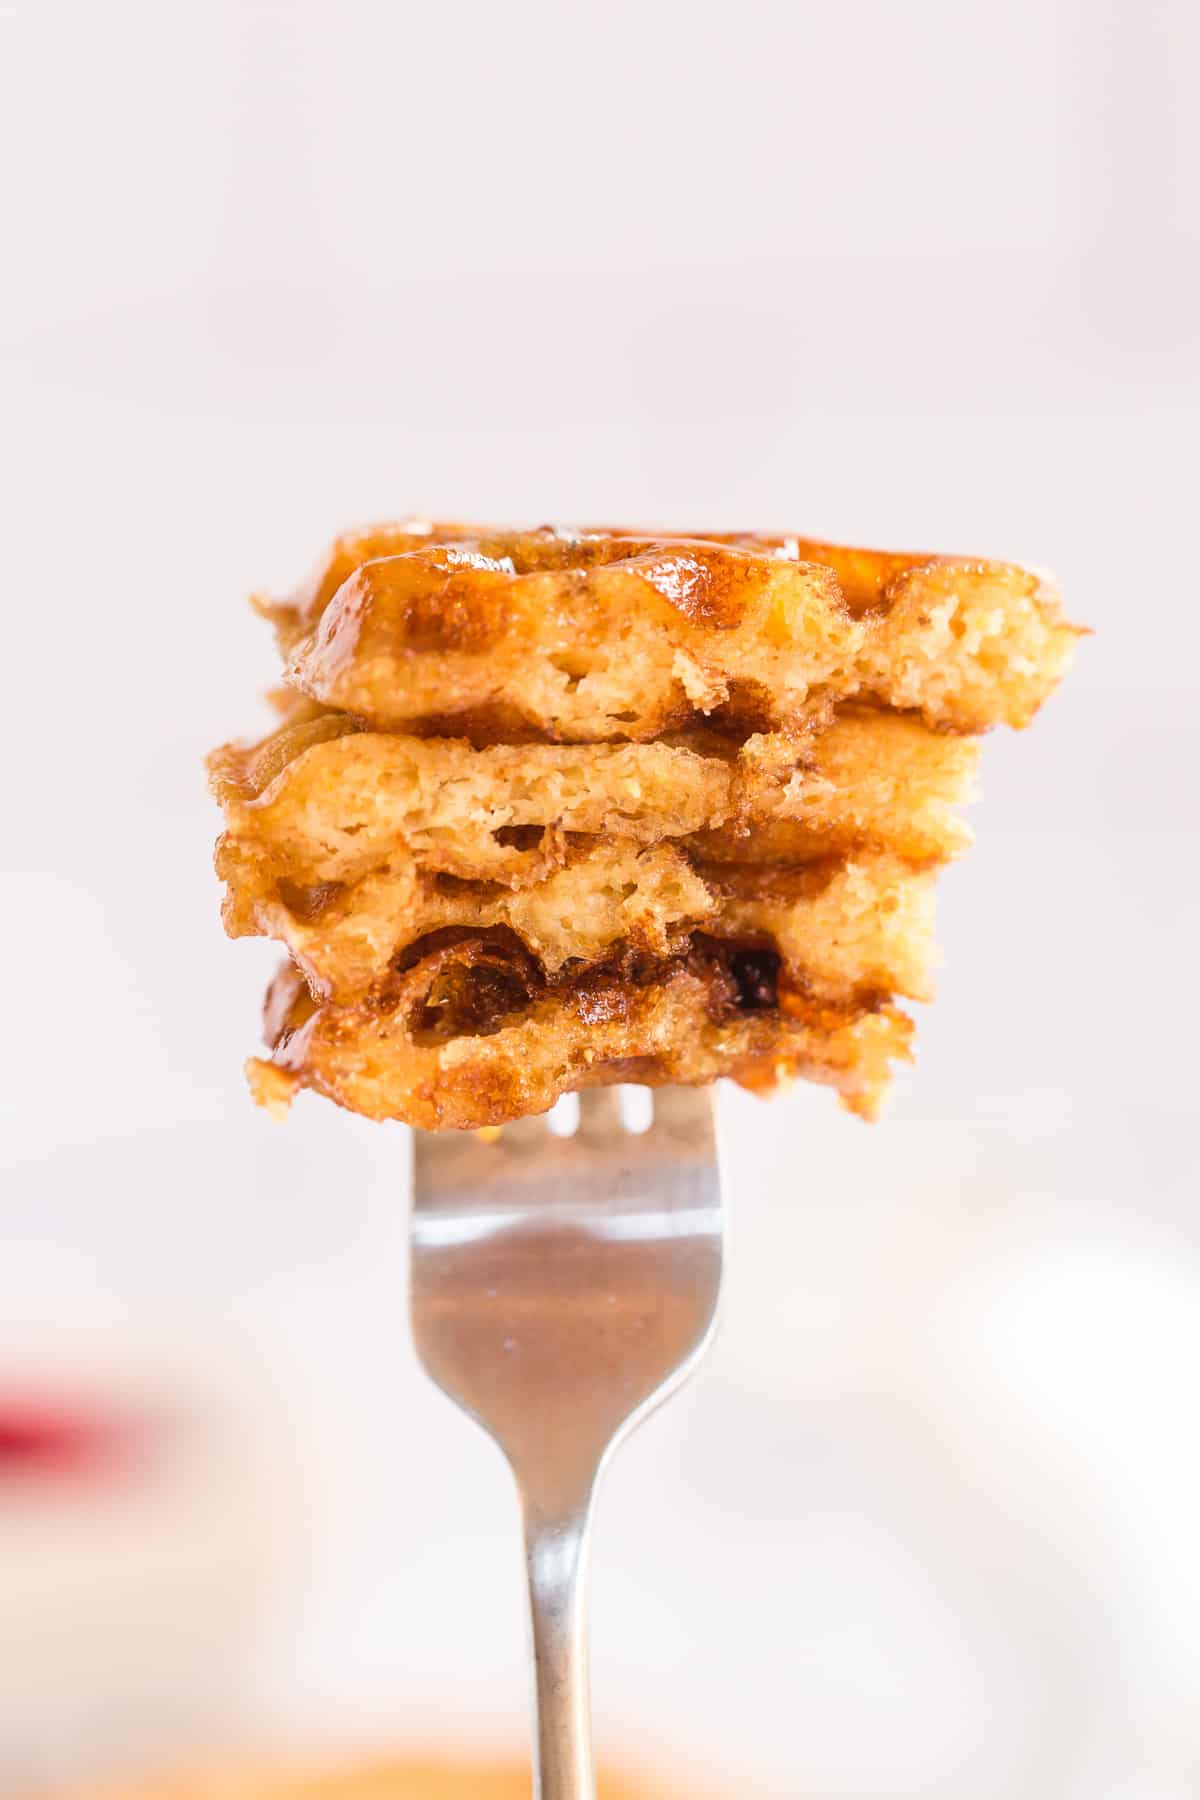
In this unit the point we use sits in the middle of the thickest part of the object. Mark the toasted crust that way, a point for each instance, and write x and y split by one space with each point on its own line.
590 636
471 1037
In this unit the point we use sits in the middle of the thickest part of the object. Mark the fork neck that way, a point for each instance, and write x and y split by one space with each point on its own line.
556 1559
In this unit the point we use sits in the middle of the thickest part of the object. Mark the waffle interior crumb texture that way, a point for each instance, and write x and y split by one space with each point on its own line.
549 809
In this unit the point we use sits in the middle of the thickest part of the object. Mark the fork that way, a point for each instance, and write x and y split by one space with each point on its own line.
561 1288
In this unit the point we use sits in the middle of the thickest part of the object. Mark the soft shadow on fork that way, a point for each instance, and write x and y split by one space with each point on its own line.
561 1288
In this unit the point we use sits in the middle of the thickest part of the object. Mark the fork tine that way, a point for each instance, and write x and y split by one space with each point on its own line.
599 1115
684 1112
524 1134
446 1161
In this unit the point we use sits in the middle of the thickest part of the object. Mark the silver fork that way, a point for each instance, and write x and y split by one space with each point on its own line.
562 1287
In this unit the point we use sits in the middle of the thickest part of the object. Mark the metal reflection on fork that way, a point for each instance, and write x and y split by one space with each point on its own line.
561 1288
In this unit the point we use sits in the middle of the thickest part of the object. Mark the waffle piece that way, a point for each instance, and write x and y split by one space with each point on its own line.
605 896
323 801
591 636
474 1034
577 640
841 927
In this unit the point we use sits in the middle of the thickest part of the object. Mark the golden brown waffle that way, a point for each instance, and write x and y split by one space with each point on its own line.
474 1034
328 800
840 926
721 862
583 637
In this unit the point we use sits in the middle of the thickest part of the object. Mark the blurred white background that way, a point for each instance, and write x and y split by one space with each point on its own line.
926 275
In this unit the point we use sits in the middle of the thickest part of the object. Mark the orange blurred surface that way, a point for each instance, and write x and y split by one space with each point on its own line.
420 1778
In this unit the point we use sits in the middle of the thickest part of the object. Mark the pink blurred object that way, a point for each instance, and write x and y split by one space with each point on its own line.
48 1438
139 1532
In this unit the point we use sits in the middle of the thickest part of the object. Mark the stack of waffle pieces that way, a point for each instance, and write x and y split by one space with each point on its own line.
548 809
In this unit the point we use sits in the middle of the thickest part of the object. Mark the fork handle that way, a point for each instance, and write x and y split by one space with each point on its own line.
556 1554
